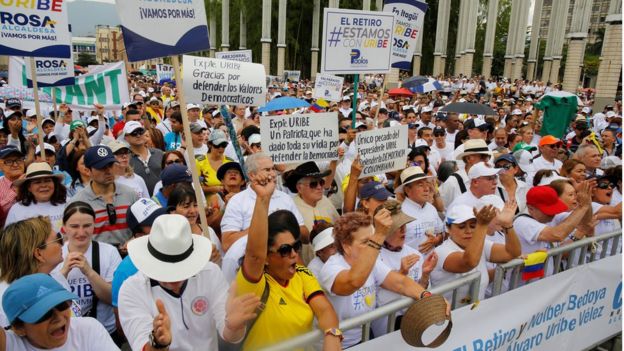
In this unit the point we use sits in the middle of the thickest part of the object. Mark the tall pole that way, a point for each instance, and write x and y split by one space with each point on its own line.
281 37
243 30
316 13
266 35
490 34
535 40
225 25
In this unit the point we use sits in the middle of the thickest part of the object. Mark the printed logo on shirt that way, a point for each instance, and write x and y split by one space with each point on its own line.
199 306
364 298
282 302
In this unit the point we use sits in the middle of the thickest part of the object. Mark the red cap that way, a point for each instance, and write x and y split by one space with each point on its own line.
545 199
549 140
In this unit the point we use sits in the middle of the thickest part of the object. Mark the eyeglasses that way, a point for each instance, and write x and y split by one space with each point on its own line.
59 239
59 308
123 152
138 132
138 103
112 213
285 249
604 186
14 162
170 162
315 183
220 146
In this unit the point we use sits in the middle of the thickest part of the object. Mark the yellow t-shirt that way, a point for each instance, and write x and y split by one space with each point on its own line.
205 170
287 313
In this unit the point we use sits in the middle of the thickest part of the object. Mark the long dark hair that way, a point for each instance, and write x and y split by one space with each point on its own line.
281 221
73 166
26 198
181 193
77 207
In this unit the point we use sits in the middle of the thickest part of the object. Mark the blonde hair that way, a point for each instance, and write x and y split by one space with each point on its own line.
18 243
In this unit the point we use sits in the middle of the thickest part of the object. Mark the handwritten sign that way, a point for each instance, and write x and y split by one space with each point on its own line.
382 150
328 87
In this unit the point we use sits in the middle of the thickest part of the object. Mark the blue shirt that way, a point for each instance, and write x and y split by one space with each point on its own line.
125 270
173 141
160 199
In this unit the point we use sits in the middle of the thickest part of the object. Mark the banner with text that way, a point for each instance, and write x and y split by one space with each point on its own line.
292 76
50 71
382 150
300 138
356 42
223 82
328 87
35 28
164 71
409 17
154 29
238 55
571 310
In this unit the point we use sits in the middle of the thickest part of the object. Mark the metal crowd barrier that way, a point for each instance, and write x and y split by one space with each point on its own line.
515 266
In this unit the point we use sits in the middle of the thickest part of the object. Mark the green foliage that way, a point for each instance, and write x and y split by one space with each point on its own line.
85 59
591 64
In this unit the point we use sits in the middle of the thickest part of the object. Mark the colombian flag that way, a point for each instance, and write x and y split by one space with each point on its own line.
319 105
534 265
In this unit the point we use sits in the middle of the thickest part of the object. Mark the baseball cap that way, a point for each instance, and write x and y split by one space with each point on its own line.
516 112
554 176
143 213
375 190
10 114
99 157
131 126
9 150
30 297
426 109
92 119
191 106
46 146
323 239
173 104
459 214
254 139
12 103
549 140
476 123
75 124
545 199
586 109
175 173
523 146
31 113
217 137
116 145
128 104
197 128
524 160
482 170
506 157
610 162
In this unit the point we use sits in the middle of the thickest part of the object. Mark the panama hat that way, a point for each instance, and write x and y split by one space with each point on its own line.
474 146
38 170
171 253
410 175
424 313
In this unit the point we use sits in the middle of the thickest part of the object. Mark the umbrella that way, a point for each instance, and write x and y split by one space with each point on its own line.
430 85
561 93
283 103
411 82
469 108
23 93
400 92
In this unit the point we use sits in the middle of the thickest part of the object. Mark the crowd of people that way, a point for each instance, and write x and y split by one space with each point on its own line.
102 246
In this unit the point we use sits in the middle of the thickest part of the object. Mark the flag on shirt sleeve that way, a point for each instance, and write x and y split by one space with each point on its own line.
534 265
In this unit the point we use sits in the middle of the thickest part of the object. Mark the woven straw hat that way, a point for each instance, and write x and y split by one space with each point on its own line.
420 316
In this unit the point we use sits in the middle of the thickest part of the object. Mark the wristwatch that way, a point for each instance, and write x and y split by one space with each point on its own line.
154 343
335 332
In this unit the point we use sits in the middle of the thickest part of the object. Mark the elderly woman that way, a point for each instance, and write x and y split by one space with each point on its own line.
466 249
608 217
353 276
40 193
573 169
290 292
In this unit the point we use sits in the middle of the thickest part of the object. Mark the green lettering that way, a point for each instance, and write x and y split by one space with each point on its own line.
113 75
74 95
95 87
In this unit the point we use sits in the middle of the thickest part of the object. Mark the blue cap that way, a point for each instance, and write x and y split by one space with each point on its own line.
175 173
375 190
99 157
9 150
32 296
506 157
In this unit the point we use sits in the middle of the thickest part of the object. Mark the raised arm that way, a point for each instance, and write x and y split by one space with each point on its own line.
512 248
563 229
350 193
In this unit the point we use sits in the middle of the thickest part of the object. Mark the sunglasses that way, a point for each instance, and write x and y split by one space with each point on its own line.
438 134
138 132
138 103
604 186
315 183
220 146
285 249
63 306
170 162
59 239
112 213
123 152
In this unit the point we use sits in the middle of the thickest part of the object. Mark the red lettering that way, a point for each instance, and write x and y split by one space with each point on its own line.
57 5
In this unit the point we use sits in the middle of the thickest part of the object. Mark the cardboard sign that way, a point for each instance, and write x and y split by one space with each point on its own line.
300 138
51 72
239 55
292 76
328 87
154 29
164 71
223 82
382 150
37 28
409 16
356 42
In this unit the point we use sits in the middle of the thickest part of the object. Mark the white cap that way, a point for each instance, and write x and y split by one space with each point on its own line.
323 239
524 159
481 169
420 142
153 98
91 119
493 200
426 109
254 139
31 113
459 214
150 90
46 146
346 98
116 145
552 178
407 107
586 109
610 114
191 106
516 112
131 126
610 162
462 100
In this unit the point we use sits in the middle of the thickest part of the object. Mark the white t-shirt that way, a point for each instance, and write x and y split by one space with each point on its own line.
80 285
439 276
450 189
468 199
84 333
135 183
446 154
541 163
19 212
360 302
497 238
196 316
606 226
316 265
426 221
392 259
528 230
231 259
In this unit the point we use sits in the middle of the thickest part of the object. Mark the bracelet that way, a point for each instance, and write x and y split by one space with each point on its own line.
574 238
425 293
373 244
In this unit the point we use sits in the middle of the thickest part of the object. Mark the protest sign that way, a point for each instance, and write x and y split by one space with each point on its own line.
409 16
328 87
301 137
223 82
382 150
164 71
356 42
292 76
238 55
35 28
572 310
52 72
162 28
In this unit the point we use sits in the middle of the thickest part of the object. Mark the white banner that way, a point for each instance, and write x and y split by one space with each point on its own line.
164 71
300 138
35 28
238 55
328 87
292 76
51 72
356 42
223 82
162 28
409 16
571 310
382 150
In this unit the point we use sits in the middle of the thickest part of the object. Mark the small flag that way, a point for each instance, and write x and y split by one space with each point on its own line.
316 108
534 265
319 105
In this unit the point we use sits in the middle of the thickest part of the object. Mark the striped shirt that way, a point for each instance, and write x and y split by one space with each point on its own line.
117 233
7 199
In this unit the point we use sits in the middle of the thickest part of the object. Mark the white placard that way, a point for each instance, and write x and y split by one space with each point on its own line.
301 137
356 42
409 16
223 82
292 76
571 310
51 72
34 28
164 71
238 55
154 29
328 87
382 150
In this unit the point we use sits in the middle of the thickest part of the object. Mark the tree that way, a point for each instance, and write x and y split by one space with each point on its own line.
85 59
